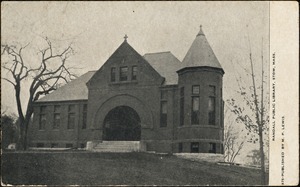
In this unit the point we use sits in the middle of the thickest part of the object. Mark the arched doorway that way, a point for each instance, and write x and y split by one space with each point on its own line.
122 124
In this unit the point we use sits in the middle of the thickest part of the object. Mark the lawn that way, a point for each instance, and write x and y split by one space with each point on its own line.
85 168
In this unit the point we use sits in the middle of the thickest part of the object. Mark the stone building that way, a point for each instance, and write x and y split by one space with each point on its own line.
155 100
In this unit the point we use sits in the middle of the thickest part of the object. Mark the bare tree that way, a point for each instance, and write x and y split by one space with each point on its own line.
233 143
233 140
46 77
253 113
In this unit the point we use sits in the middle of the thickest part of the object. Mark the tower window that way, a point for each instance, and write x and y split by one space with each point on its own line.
195 89
195 117
212 148
54 145
212 90
180 148
195 110
40 145
113 74
212 105
134 73
222 108
195 147
69 145
124 73
211 111
222 149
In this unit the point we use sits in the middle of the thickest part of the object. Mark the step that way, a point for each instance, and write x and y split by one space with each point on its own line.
117 146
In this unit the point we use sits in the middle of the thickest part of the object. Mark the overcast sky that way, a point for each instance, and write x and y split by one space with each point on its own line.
96 29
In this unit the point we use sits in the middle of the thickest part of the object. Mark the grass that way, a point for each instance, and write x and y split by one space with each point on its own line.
85 168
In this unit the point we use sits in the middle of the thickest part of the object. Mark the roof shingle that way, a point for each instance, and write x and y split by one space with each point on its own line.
200 53
166 64
74 90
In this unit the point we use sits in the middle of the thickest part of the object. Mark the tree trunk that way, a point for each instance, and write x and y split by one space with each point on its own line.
21 139
262 156
260 129
22 143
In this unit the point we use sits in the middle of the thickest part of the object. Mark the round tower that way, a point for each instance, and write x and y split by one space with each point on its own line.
200 81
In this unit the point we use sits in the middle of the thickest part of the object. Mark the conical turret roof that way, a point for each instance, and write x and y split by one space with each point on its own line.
200 53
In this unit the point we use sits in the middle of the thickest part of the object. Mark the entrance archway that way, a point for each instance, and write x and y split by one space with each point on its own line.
122 123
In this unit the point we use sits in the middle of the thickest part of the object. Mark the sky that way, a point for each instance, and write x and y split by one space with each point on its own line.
96 29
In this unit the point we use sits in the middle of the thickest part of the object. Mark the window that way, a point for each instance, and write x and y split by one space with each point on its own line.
113 74
163 114
69 145
43 119
195 147
40 145
42 122
222 149
182 92
181 106
56 109
54 145
196 90
180 148
222 114
222 109
134 73
71 117
84 116
212 105
211 111
56 123
71 121
195 117
195 110
56 120
71 108
212 148
164 95
82 145
212 90
43 109
221 93
163 108
123 73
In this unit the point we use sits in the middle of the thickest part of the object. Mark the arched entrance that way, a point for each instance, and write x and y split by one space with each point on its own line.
122 123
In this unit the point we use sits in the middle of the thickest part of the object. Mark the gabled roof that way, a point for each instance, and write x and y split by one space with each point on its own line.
166 64
124 50
74 90
200 53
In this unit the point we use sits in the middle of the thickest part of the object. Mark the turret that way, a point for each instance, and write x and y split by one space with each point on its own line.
200 93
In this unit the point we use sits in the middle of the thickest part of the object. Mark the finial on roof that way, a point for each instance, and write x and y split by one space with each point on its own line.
125 37
200 32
